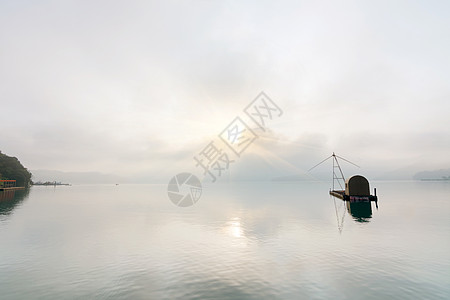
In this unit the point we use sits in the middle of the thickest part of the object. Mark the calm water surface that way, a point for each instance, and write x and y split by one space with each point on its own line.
240 241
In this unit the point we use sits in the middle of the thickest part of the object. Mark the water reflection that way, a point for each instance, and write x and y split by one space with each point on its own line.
9 200
244 241
360 211
234 228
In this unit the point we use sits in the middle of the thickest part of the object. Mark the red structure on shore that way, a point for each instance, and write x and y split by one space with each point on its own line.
6 185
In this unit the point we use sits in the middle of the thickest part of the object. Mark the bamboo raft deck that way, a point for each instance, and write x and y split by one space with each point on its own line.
341 195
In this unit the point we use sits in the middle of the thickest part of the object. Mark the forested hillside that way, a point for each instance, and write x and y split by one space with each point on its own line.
11 168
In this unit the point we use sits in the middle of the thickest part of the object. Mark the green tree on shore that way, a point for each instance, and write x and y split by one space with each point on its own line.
12 169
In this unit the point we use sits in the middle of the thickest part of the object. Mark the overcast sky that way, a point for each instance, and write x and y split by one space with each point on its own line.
137 88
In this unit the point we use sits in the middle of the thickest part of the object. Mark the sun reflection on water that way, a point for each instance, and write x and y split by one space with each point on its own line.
233 228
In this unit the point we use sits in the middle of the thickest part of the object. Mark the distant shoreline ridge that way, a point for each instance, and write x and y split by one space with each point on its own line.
435 179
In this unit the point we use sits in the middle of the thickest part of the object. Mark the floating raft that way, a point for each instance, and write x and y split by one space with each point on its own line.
343 196
356 190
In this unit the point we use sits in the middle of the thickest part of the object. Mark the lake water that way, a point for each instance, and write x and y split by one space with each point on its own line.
240 241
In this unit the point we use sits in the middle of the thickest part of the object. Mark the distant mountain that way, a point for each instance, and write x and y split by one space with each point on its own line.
76 177
436 174
404 173
301 177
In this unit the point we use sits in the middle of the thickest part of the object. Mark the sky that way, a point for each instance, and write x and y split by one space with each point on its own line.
138 88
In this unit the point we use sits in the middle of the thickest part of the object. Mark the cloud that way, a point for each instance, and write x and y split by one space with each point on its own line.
131 88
